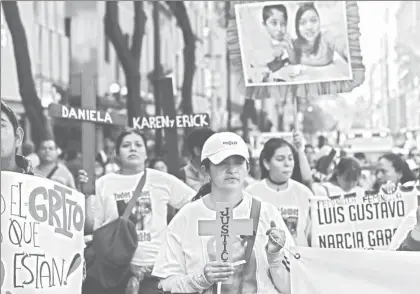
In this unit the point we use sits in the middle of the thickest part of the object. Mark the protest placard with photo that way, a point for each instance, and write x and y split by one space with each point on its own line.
42 228
293 42
364 222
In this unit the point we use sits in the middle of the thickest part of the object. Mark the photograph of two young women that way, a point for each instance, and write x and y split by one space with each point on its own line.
293 42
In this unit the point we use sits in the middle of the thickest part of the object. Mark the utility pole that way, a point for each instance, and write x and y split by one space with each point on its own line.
372 105
228 70
386 74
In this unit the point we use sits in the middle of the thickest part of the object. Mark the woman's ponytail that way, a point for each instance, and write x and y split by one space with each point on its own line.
204 190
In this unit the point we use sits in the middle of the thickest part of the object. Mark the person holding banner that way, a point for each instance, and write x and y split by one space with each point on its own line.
11 139
278 165
412 240
392 168
344 180
187 261
113 193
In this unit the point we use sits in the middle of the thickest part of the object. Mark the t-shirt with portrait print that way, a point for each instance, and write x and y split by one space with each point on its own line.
113 191
293 204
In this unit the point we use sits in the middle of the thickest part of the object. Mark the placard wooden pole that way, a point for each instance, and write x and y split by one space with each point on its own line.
295 107
89 129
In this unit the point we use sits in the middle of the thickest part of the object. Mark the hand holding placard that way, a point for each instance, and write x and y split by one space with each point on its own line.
225 229
276 238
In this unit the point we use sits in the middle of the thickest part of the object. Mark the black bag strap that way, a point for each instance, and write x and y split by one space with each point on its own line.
255 215
52 172
136 195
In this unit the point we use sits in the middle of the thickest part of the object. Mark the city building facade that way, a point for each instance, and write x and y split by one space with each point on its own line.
408 50
44 23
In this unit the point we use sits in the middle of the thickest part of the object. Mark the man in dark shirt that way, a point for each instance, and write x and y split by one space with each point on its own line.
412 242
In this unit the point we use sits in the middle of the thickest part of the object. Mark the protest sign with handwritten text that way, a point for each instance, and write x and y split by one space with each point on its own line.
42 224
366 222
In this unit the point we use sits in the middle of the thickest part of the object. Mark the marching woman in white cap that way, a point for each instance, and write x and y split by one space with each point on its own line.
187 262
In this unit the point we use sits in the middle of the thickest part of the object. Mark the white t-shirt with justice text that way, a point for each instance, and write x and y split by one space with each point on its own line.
113 191
293 204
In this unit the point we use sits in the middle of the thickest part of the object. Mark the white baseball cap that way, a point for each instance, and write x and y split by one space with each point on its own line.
223 145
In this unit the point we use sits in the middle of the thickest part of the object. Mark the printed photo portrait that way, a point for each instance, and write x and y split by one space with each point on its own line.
293 42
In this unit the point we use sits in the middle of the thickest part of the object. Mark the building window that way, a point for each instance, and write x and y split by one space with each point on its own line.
45 52
55 51
50 14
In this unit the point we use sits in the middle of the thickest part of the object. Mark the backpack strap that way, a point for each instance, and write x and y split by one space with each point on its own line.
52 172
136 195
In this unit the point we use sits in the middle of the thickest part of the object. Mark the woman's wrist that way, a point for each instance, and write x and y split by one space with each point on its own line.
274 258
277 250
201 282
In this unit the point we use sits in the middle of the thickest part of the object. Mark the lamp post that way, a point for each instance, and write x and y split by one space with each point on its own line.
228 81
372 91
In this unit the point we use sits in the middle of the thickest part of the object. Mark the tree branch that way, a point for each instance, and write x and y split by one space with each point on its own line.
140 19
180 12
30 100
116 36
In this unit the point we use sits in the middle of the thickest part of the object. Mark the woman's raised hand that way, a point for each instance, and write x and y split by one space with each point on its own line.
298 140
218 271
389 187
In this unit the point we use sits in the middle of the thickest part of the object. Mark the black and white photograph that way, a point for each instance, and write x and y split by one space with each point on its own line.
293 42
212 147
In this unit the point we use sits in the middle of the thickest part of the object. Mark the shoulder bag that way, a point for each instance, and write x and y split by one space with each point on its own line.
114 246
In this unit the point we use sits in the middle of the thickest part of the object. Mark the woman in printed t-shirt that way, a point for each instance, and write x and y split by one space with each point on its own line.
114 190
187 261
277 162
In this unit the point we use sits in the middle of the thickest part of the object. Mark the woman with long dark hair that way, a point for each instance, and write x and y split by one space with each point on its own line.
279 169
149 214
187 262
314 47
